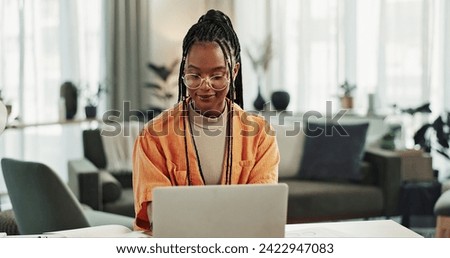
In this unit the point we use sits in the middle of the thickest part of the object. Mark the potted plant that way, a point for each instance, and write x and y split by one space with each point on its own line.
92 100
164 86
435 135
347 98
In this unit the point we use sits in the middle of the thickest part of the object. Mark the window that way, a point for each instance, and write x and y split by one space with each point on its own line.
42 44
394 49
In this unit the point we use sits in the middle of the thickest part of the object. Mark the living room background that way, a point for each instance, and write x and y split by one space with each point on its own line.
397 50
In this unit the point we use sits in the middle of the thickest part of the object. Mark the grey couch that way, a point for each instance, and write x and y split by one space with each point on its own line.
93 185
375 193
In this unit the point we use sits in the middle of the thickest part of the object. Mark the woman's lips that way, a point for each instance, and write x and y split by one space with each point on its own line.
205 97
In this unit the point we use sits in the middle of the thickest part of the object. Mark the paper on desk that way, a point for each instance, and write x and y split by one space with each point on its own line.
315 232
99 231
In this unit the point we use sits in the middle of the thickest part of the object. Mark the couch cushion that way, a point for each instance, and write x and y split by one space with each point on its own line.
93 148
118 142
333 151
290 140
111 188
315 200
123 206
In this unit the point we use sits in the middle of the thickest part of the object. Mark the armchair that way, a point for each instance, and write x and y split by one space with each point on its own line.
42 202
95 183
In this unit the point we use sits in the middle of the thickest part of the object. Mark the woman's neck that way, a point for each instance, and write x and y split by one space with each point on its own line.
209 113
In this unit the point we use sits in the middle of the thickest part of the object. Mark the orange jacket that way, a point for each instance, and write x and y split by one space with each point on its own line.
159 156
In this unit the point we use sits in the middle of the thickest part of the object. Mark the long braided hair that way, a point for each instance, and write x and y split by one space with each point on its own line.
215 26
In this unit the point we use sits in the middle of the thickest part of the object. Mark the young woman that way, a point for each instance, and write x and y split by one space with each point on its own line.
206 138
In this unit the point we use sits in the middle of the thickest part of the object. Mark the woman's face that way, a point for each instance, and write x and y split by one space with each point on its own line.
206 59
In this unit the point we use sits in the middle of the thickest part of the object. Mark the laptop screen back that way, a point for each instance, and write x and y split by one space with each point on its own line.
256 210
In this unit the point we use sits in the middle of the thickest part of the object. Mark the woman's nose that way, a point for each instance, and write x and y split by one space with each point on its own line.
205 83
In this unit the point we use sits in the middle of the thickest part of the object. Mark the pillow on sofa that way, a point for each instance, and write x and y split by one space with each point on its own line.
290 140
112 189
333 151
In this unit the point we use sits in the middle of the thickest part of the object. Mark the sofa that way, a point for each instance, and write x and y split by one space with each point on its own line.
98 184
321 193
101 190
375 193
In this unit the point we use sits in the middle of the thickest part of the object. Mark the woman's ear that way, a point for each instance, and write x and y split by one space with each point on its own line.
236 70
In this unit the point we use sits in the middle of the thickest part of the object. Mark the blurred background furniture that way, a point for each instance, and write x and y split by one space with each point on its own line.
42 202
442 211
95 181
418 198
344 180
334 190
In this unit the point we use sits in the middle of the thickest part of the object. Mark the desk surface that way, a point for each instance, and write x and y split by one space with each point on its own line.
371 228
374 228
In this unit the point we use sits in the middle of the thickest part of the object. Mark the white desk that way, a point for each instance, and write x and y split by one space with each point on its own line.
371 228
363 229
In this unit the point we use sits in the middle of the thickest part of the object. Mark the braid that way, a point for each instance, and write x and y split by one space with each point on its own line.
215 26
181 88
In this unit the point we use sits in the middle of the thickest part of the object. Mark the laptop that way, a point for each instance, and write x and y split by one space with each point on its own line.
220 211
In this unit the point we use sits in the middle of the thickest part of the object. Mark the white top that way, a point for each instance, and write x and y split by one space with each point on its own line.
209 135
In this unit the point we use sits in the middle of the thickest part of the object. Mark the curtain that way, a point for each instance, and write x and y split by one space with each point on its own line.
446 54
407 50
304 59
127 47
160 27
311 41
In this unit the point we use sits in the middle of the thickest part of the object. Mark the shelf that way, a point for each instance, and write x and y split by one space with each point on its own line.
20 125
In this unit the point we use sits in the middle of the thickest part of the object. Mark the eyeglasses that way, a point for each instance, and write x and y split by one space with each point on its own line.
216 82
